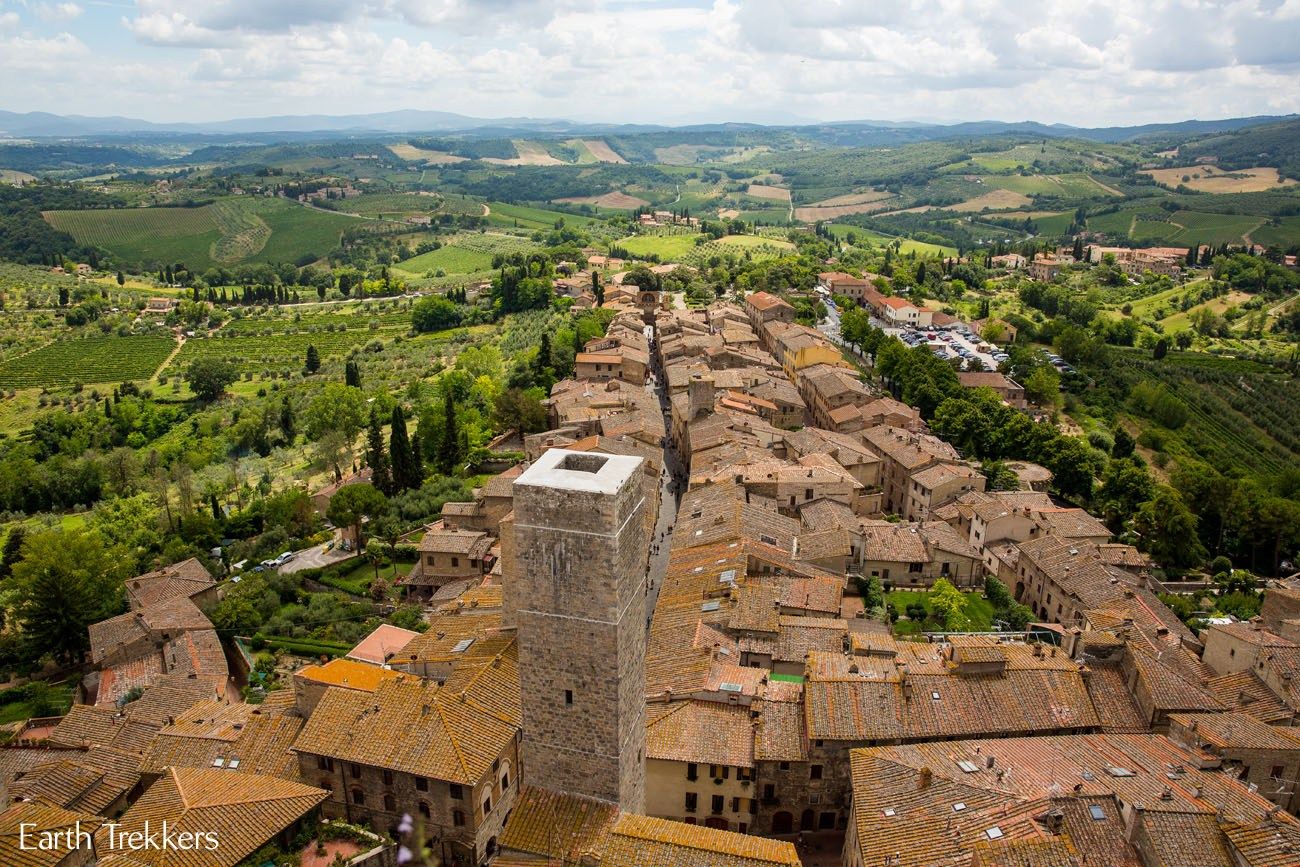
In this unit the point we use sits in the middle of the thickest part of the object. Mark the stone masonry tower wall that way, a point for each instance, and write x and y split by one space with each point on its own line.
579 603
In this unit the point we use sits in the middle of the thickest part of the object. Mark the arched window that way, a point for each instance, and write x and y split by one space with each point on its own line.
458 818
424 809
358 796
390 803
505 774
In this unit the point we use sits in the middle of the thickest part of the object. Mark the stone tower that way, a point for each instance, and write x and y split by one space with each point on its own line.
579 603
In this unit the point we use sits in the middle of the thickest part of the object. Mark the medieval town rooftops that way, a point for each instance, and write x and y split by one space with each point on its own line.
174 616
643 840
700 731
246 810
252 738
462 729
937 801
187 578
18 839
1233 731
557 825
385 641
909 450
470 543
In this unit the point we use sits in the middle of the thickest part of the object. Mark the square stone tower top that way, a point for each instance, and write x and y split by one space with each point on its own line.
580 472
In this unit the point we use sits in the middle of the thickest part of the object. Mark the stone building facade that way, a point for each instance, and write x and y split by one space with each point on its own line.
579 606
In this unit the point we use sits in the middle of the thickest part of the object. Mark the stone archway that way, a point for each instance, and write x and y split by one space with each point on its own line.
808 821
783 823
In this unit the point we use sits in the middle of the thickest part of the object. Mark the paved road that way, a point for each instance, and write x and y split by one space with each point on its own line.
315 557
672 476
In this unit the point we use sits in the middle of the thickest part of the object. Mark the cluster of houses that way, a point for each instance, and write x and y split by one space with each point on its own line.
1134 262
645 645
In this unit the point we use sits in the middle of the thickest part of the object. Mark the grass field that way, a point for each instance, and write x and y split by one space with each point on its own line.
669 248
1284 234
921 248
449 260
231 230
1189 226
89 360
1212 179
978 609
532 219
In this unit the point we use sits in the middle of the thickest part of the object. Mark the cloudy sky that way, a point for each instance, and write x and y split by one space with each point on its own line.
1093 63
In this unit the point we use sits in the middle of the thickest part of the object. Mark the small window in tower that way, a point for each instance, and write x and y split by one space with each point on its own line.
568 696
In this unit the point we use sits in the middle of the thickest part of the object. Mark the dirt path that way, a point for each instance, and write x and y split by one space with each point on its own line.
486 210
180 342
1109 189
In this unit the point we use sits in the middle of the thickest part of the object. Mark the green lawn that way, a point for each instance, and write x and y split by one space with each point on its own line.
449 259
978 609
60 696
668 248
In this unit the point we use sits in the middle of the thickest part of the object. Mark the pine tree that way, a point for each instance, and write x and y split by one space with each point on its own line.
313 358
449 448
380 475
400 454
352 373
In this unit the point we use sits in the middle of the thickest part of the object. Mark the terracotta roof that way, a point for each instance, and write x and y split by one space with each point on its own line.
921 801
349 673
700 731
557 825
640 841
451 733
764 301
179 579
1237 731
780 733
379 645
20 833
245 810
174 615
251 738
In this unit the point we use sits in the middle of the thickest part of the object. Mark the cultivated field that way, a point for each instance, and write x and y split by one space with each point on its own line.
842 206
1212 179
763 191
13 176
531 153
618 201
86 361
408 151
601 150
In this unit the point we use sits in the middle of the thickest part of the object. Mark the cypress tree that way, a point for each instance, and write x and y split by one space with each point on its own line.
313 358
449 448
352 373
288 424
381 477
417 460
13 550
400 454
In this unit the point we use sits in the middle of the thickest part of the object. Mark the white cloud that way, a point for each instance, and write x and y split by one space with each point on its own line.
58 11
646 60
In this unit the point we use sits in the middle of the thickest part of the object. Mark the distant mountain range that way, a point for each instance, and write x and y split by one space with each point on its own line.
45 125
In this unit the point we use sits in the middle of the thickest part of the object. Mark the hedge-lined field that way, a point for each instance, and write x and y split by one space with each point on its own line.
229 231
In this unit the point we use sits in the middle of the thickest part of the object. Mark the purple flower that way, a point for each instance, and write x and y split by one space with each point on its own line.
404 855
405 825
